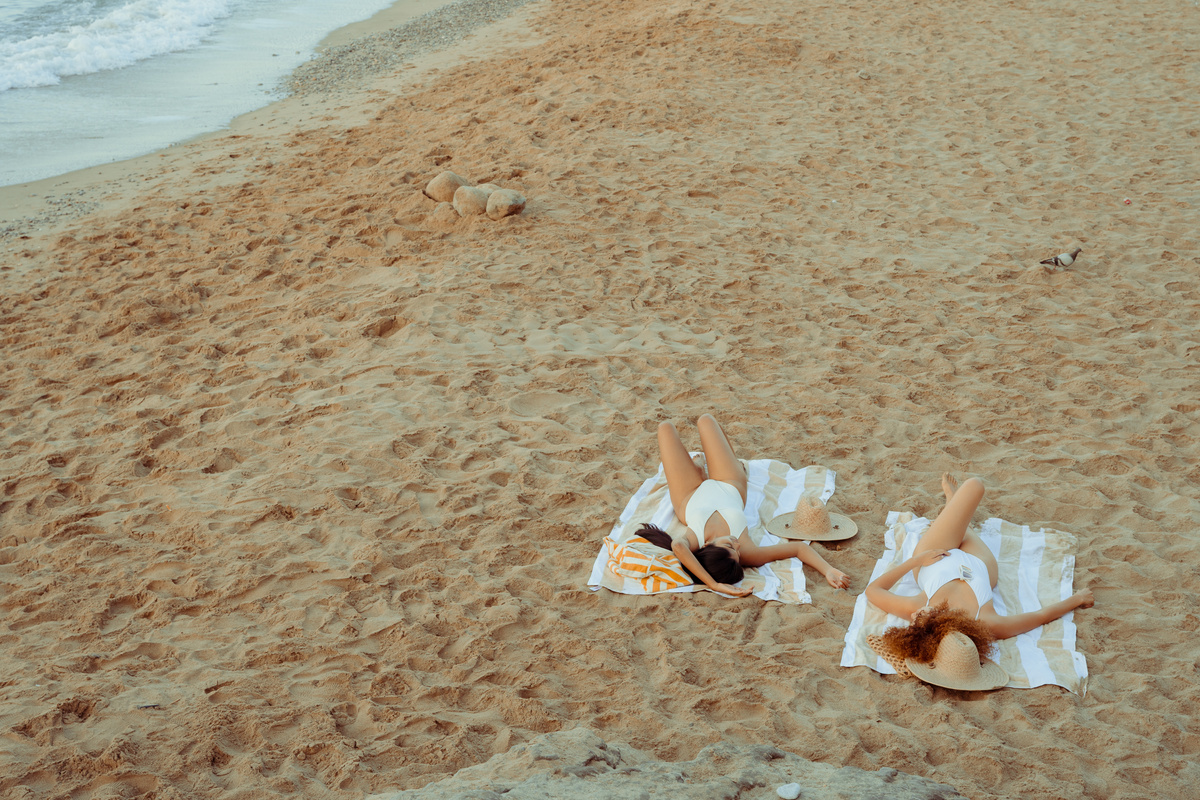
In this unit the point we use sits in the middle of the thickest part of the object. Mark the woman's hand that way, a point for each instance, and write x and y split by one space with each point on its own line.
928 557
837 579
1084 599
734 591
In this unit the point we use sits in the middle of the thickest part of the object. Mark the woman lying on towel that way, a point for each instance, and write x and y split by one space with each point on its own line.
716 546
956 573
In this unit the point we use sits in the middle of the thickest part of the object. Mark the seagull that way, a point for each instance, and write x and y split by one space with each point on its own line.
1063 259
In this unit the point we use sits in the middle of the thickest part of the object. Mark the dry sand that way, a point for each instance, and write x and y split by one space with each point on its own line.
302 480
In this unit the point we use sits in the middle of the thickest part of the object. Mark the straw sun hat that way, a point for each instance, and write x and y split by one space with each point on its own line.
812 522
957 664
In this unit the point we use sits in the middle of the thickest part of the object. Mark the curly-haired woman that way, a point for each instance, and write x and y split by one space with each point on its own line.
956 573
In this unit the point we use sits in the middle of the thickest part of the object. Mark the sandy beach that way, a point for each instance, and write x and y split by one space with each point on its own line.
303 474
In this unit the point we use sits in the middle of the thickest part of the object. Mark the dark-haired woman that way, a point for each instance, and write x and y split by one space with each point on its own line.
956 573
716 547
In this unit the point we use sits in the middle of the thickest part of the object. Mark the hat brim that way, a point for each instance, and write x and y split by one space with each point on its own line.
893 659
991 676
840 527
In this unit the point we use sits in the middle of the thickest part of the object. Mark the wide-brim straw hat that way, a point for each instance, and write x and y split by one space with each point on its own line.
957 665
894 659
812 522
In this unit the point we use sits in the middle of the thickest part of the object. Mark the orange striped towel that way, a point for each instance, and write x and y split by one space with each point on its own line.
655 569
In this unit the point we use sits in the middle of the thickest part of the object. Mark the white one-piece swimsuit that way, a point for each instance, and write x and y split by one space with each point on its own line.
957 566
715 497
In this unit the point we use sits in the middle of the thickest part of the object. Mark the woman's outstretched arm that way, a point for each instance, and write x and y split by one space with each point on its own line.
834 577
1007 627
752 555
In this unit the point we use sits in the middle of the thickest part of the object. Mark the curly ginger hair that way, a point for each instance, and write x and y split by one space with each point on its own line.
919 641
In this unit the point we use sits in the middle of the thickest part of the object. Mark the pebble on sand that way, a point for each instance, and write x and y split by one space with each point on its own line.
443 187
789 791
504 203
471 201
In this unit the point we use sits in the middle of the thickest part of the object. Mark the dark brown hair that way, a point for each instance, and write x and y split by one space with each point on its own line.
717 561
919 641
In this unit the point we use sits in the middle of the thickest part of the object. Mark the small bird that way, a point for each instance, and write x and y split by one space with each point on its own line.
1063 259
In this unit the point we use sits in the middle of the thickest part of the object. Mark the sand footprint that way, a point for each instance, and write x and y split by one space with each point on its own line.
539 404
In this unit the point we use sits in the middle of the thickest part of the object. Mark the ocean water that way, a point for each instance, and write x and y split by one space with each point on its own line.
86 82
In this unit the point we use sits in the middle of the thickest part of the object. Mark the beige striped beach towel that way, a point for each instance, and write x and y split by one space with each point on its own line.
773 488
1036 569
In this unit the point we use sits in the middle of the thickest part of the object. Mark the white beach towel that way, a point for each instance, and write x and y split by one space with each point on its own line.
1036 569
773 488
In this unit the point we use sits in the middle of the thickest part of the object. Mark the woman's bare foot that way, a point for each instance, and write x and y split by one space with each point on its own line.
949 485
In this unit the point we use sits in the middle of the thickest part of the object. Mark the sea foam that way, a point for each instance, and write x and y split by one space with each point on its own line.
126 34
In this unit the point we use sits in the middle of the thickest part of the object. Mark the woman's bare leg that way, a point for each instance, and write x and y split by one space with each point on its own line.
723 465
950 528
683 476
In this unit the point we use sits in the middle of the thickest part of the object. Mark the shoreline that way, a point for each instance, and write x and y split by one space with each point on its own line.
402 36
368 50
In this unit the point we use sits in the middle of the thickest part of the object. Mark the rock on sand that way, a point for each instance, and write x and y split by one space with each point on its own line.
579 764
471 201
504 203
443 216
443 187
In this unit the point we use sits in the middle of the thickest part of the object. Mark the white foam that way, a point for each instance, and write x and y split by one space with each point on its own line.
130 33
113 114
